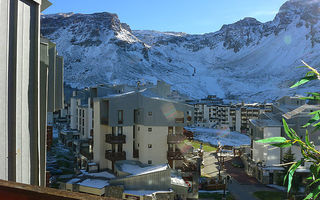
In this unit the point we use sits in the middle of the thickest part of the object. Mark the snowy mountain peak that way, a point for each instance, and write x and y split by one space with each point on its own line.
247 60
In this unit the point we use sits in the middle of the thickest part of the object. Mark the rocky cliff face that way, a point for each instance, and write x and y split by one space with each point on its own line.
247 60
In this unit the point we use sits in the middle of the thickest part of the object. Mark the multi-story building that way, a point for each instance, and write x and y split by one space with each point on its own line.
269 124
242 113
136 126
212 112
25 61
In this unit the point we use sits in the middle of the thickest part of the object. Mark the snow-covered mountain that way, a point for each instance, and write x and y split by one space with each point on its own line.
247 60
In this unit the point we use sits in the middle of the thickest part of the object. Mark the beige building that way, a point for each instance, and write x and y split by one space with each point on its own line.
269 124
135 126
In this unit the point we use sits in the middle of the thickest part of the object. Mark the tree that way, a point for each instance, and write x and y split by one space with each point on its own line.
309 152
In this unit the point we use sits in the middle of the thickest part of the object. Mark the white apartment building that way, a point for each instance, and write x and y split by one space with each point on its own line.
136 126
269 124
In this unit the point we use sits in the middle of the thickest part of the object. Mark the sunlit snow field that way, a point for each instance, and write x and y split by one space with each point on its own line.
213 136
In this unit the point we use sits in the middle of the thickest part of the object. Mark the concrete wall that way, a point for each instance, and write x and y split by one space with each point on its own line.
44 64
158 139
52 77
19 88
267 153
59 92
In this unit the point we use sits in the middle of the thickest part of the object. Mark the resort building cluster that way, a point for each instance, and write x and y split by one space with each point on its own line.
128 142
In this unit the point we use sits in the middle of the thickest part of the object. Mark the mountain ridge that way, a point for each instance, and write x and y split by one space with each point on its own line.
247 60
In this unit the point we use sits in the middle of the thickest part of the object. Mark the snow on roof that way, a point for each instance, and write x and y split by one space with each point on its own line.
136 170
265 122
72 181
102 175
99 174
175 180
299 110
94 183
144 192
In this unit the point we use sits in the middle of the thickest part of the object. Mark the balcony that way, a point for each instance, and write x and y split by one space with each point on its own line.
104 121
175 139
177 155
179 120
115 156
136 153
115 139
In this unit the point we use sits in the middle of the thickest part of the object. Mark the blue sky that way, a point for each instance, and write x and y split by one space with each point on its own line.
190 16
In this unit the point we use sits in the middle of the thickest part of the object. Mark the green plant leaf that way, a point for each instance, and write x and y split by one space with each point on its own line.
314 112
286 129
315 181
272 139
305 80
314 93
310 178
307 138
291 173
282 145
315 118
314 194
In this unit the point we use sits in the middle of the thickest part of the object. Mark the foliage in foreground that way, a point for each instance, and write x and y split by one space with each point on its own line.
309 152
270 195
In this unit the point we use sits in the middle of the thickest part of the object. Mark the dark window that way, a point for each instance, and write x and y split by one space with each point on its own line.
119 147
149 146
113 130
149 113
134 132
120 116
149 162
170 130
149 129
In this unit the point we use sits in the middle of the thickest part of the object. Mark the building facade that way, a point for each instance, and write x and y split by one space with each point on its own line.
133 126
265 159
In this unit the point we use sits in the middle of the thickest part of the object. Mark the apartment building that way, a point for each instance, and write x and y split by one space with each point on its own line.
137 126
212 112
241 114
263 160
25 61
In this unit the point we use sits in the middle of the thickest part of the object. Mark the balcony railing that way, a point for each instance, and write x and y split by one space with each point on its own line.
115 139
104 121
177 155
175 138
179 120
136 153
115 156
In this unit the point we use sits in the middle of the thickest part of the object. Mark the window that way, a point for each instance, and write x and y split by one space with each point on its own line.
119 147
149 146
170 130
120 130
149 113
120 116
149 162
138 128
149 129
113 130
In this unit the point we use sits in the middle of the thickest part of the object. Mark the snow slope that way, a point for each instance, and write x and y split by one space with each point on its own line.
247 60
